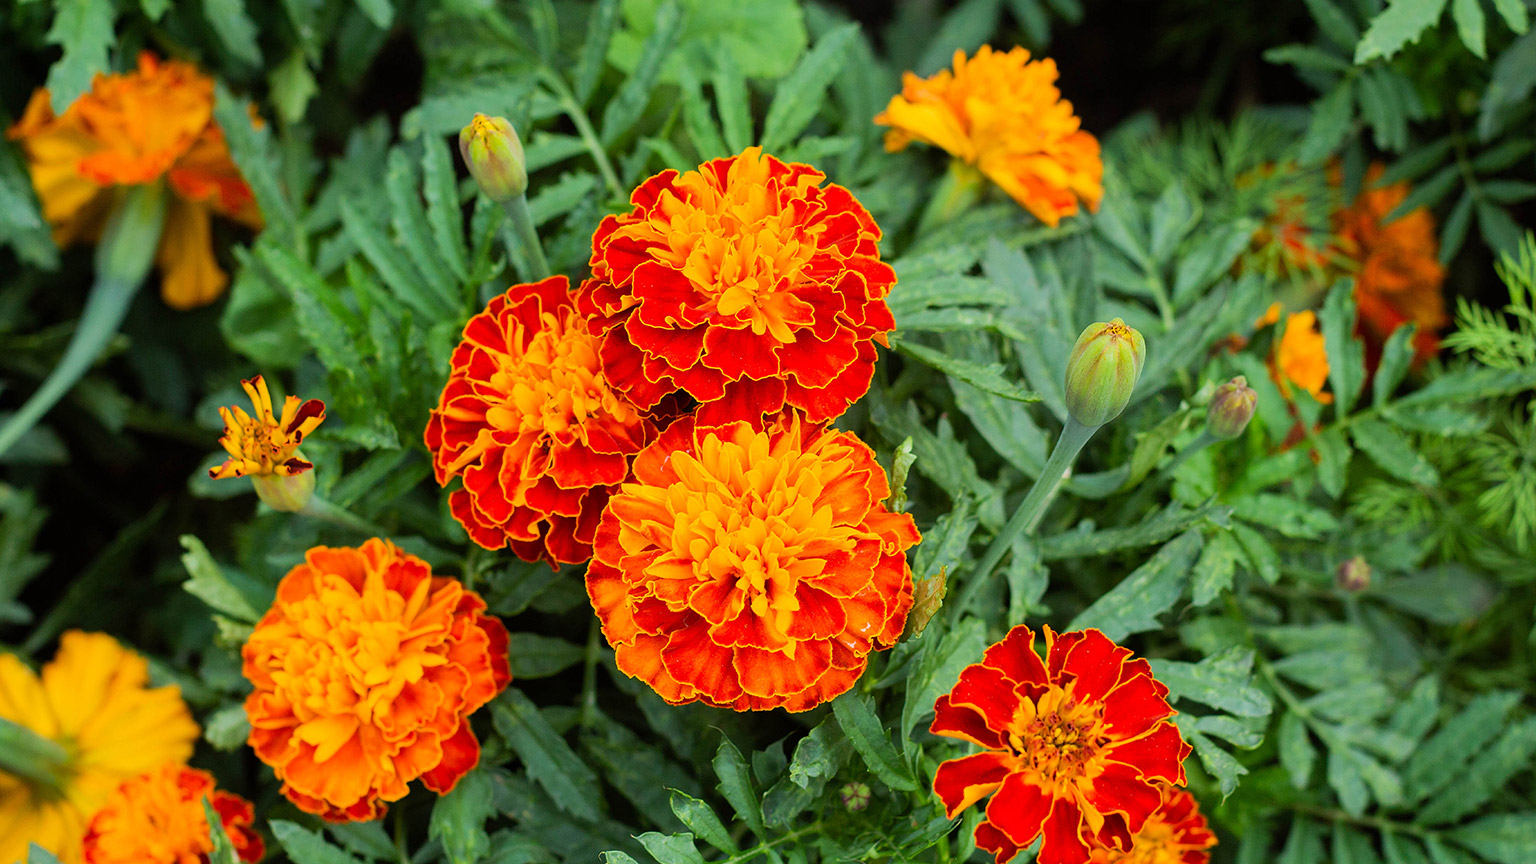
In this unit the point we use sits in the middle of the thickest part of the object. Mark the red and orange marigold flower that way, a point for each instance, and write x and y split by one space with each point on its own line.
746 285
1175 833
366 670
536 430
158 818
1002 113
152 124
266 444
1076 745
751 569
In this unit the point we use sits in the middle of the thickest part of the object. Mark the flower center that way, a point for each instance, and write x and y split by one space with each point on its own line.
1061 738
556 384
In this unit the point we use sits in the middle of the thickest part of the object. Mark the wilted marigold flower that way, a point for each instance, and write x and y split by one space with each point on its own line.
1075 745
537 431
745 285
266 444
152 124
1002 113
751 569
93 698
158 818
1399 277
1301 357
1175 833
366 670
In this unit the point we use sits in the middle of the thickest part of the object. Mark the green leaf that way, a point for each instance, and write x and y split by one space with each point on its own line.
235 30
1500 231
1344 775
1514 75
1307 57
629 103
938 665
1287 515
1393 451
365 838
988 378
380 12
1332 116
602 21
702 821
733 101
736 786
292 87
252 150
1262 557
1149 530
801 93
1334 22
1346 356
1297 755
1396 357
535 656
206 581
1334 454
1485 776
559 198
1506 838
1439 760
1215 568
393 268
458 818
227 728
38 855
412 230
1223 681
223 849
1153 588
671 848
1470 25
83 28
550 760
1219 762
1400 23
305 846
857 717
1514 13
763 38
702 130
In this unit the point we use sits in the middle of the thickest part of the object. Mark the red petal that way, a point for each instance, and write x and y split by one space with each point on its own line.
1096 662
959 721
1120 789
1133 707
460 754
1019 809
959 783
992 839
988 691
1160 753
1063 843
1015 657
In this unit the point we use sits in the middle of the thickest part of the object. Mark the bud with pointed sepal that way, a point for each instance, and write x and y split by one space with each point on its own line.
1102 371
1353 575
1231 408
494 155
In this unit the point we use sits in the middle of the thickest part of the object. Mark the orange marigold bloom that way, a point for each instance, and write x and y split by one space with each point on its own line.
140 127
1175 833
1075 745
1399 277
1301 357
752 569
366 670
746 285
93 698
266 444
158 818
1002 113
534 427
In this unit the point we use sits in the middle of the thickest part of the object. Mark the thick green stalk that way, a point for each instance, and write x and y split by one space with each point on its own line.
319 508
957 191
527 238
1024 521
123 259
42 763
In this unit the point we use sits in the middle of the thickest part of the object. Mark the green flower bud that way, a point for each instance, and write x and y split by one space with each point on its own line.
494 154
1353 575
855 796
288 494
1231 409
1102 371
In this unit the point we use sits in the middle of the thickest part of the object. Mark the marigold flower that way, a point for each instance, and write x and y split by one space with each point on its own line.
1002 113
1399 277
751 569
366 670
93 699
1301 357
746 285
266 444
140 127
158 818
1175 833
538 432
1075 745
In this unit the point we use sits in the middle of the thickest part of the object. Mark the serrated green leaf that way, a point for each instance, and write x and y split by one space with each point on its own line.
305 846
227 728
1150 590
206 581
412 230
1485 776
458 818
440 189
1514 13
1218 762
1331 119
1392 450
1438 761
83 28
550 760
251 148
1223 681
800 94
1346 356
629 103
857 718
736 786
601 22
1505 838
223 850
1297 755
671 848
986 377
1396 357
702 821
1215 569
1287 515
1470 25
535 656
233 25
1336 24
1397 25
1334 455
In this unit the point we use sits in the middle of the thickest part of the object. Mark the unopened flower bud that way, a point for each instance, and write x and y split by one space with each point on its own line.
1102 371
1353 575
1231 409
927 597
288 494
494 154
855 796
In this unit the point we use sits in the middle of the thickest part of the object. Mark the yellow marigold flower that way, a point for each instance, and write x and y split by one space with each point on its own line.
1002 113
158 818
366 670
152 124
266 444
1301 357
93 700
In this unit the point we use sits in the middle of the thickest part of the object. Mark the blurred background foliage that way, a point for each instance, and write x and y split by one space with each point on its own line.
1382 722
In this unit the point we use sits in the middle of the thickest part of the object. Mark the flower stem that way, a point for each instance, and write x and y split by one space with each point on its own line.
1024 521
578 115
1204 440
527 238
960 188
589 675
41 762
319 508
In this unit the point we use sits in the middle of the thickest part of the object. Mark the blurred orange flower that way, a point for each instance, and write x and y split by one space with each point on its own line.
266 444
366 670
157 818
1174 833
751 569
1075 746
745 285
93 698
1002 113
1301 357
530 422
140 127
1398 279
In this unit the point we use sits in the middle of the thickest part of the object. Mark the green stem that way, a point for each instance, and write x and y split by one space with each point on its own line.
960 188
1204 440
319 508
578 115
521 222
41 762
589 676
402 847
1024 521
